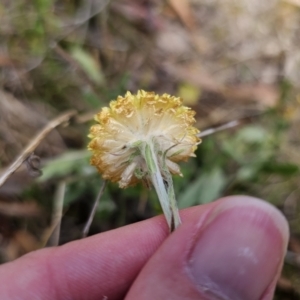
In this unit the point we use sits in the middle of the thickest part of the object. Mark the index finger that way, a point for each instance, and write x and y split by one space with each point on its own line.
99 267
104 265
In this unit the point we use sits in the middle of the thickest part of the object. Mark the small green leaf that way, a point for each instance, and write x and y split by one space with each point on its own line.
67 163
252 134
204 189
247 172
285 169
88 64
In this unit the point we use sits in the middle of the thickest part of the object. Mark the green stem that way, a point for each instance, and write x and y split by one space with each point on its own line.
165 192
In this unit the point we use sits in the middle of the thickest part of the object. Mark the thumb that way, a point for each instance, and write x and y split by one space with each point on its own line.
233 250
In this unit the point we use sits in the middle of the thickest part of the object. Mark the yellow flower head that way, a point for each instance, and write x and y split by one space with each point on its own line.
134 120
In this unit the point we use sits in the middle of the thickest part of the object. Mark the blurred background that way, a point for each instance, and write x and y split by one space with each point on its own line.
229 60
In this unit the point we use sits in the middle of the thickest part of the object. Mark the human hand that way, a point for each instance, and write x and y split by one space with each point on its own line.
229 249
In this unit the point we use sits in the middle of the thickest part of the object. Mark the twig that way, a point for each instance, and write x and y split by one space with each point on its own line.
16 209
57 213
86 117
92 214
228 125
34 143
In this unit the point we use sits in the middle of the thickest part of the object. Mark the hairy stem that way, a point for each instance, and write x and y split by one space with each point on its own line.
163 186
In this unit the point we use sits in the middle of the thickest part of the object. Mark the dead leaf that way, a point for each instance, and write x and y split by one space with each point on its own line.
21 243
264 94
184 11
6 61
294 244
294 2
26 241
194 75
285 284
27 209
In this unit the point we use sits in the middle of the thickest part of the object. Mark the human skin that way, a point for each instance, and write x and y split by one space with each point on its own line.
232 249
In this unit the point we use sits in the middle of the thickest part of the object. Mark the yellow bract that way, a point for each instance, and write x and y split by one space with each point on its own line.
140 118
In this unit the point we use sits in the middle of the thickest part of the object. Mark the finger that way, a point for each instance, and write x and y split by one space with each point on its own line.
234 250
104 265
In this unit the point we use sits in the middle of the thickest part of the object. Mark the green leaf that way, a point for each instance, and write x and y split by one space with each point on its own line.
67 163
91 98
204 189
285 169
248 172
88 64
252 134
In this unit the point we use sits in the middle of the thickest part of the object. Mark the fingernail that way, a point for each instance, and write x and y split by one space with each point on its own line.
239 251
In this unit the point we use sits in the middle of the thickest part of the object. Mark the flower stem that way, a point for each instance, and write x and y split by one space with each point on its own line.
163 186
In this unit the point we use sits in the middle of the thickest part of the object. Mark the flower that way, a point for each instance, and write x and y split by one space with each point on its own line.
130 123
142 137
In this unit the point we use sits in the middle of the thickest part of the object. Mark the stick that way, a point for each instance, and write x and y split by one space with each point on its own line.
57 212
34 143
219 128
92 214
